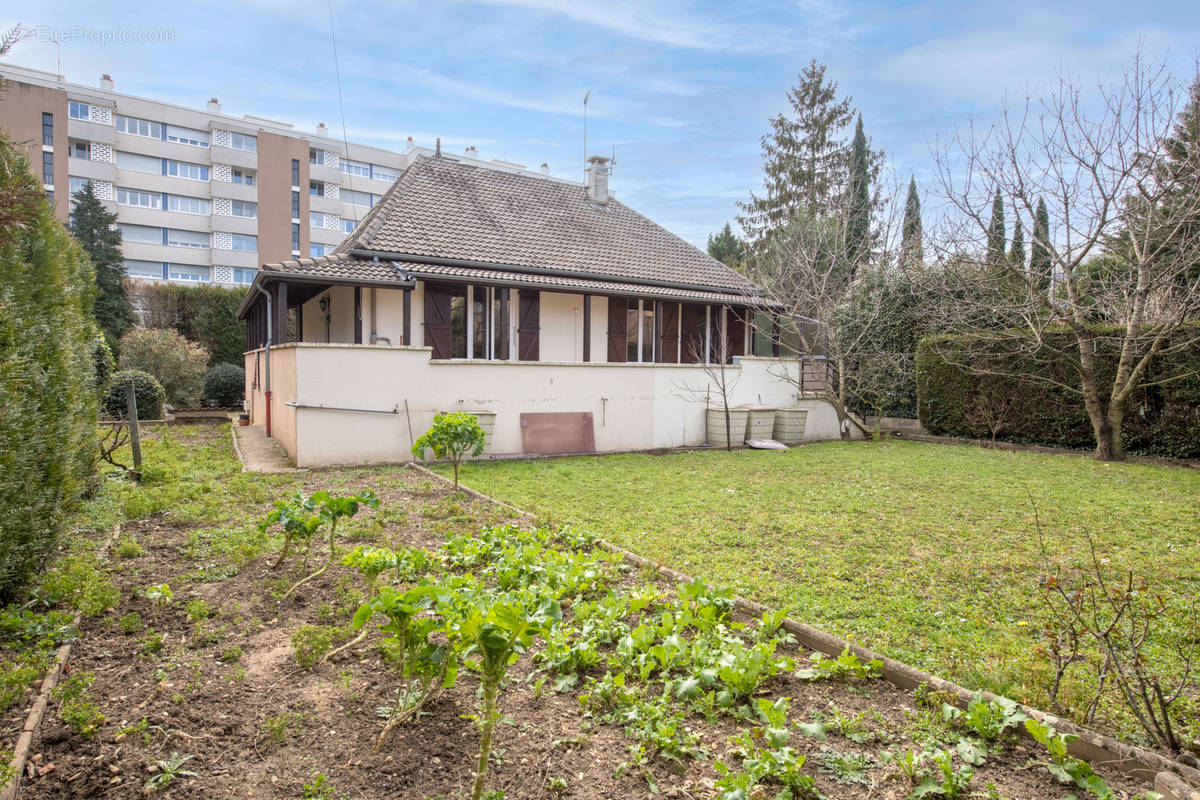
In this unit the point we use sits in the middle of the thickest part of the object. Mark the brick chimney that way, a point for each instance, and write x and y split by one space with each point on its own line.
597 180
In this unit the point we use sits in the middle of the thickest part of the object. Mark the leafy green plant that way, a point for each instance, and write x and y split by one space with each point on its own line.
129 548
225 386
198 609
178 364
453 435
989 720
846 767
301 516
952 783
847 665
1066 768
230 656
131 623
310 642
148 393
76 707
160 594
766 758
169 770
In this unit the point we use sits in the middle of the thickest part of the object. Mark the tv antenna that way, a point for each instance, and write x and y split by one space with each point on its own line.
585 102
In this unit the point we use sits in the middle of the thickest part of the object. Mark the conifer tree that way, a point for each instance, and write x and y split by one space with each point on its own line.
1017 254
912 251
1039 251
726 247
858 205
94 227
995 232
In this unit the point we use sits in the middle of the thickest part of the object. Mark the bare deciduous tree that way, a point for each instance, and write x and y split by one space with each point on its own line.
1100 161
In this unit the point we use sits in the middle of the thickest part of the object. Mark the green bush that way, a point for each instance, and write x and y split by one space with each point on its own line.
204 314
225 386
178 364
957 397
48 397
102 361
147 391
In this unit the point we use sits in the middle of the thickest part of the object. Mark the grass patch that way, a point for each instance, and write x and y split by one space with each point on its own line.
925 552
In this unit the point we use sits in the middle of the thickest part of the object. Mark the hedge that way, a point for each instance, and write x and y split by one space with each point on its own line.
225 386
954 400
147 393
204 314
48 397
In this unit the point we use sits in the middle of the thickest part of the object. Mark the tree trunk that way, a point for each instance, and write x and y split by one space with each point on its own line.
485 743
1108 435
728 425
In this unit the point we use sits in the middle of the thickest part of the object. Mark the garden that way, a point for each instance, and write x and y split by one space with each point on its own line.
373 633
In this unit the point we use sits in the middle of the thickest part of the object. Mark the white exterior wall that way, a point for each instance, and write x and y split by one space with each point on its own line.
634 406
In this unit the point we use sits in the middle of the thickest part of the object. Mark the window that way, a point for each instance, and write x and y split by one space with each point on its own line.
479 322
244 208
639 331
139 163
182 169
295 205
50 197
243 275
197 239
243 141
78 149
143 269
133 197
186 272
315 156
138 127
78 110
347 225
296 172
316 188
187 136
78 184
188 205
144 234
383 173
458 322
357 198
356 168
48 129
242 176
295 238
245 242
48 168
316 250
316 219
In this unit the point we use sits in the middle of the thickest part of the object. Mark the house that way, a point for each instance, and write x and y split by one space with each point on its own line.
566 320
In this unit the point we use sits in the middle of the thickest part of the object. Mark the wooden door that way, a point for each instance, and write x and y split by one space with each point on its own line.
668 332
618 320
437 319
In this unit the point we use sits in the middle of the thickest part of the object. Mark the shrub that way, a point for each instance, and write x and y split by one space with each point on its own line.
147 391
452 436
225 385
177 363
48 399
102 361
204 314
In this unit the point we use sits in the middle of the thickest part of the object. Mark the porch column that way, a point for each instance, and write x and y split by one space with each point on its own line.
407 317
358 315
503 323
587 328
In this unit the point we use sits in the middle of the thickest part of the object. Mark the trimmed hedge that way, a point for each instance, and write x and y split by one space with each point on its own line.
953 400
147 392
48 396
204 314
225 386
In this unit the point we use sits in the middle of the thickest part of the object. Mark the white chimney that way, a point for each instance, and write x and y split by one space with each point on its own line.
106 82
214 105
545 168
472 152
597 182
322 130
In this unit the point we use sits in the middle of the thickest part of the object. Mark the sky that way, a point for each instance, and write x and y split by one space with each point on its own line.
681 92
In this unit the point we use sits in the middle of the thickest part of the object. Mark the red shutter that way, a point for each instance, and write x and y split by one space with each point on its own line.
618 309
528 326
437 320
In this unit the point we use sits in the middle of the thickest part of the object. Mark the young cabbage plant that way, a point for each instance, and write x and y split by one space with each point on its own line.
452 436
330 510
297 516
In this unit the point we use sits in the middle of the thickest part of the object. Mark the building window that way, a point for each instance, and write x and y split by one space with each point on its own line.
184 272
50 197
296 172
78 149
197 239
245 242
48 129
357 198
143 234
639 331
315 156
243 141
383 174
316 219
139 162
143 269
316 250
295 238
78 184
347 225
189 136
182 169
78 110
133 197
242 176
244 208
188 205
243 275
316 188
356 169
295 205
138 127
48 169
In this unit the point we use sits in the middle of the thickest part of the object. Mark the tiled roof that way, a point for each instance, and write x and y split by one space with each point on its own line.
444 209
339 267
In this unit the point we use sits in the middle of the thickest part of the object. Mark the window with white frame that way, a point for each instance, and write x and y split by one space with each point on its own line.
244 275
78 110
244 242
184 169
316 156
197 239
143 269
243 141
316 250
347 225
139 199
78 184
189 136
244 208
138 162
384 173
242 176
188 205
79 149
138 127
356 168
357 198
187 272
316 219
143 234
316 188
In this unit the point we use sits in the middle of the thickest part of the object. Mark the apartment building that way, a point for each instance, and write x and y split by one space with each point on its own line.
200 196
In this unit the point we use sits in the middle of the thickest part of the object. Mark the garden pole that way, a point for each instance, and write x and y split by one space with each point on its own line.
135 439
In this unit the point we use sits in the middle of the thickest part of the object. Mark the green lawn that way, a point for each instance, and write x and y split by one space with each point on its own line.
925 552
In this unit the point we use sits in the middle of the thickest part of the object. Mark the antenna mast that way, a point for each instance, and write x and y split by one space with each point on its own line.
585 102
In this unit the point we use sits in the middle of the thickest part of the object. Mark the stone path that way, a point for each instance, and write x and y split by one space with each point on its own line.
257 452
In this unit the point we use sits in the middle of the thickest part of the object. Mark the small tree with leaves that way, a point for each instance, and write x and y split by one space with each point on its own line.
453 435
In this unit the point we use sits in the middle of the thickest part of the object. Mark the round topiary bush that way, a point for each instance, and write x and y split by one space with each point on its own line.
146 390
225 386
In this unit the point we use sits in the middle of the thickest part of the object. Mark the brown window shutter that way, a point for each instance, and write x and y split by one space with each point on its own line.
528 326
437 320
668 337
618 308
693 333
735 332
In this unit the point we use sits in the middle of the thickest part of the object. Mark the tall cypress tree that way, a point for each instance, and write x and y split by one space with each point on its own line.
858 205
1039 252
1017 254
94 227
912 250
995 233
